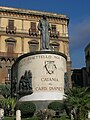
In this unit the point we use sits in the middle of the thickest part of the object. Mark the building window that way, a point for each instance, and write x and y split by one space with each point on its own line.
33 26
54 28
11 28
32 30
10 48
10 43
54 33
9 74
54 46
33 45
11 24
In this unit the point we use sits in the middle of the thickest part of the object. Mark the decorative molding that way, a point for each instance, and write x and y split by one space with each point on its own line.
10 40
14 12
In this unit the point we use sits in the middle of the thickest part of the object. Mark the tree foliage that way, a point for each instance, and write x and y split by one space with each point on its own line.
27 108
8 104
5 90
78 99
56 106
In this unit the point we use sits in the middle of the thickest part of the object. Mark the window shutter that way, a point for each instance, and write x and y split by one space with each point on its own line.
33 26
11 24
10 48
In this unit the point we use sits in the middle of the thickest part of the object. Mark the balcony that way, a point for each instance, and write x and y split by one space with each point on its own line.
54 34
33 32
10 30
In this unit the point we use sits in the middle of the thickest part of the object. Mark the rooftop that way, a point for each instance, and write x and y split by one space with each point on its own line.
30 12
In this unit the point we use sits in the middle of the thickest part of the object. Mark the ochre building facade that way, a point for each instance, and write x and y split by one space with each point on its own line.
19 34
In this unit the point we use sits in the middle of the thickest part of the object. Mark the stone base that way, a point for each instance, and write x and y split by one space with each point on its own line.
41 105
47 70
42 100
42 96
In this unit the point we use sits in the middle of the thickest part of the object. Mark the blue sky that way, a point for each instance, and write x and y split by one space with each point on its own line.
79 26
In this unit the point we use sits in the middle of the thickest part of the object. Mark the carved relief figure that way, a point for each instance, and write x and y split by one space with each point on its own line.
44 28
25 83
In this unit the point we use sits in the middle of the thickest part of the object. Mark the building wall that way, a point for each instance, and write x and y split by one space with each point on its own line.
87 57
77 77
81 77
21 35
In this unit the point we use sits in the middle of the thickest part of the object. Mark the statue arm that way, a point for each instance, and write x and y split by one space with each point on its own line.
39 26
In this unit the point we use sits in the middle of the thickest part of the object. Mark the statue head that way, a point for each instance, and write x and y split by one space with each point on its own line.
44 17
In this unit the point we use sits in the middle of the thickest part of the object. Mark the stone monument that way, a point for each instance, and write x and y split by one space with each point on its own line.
39 76
44 28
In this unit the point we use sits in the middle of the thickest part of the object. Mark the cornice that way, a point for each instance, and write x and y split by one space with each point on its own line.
33 12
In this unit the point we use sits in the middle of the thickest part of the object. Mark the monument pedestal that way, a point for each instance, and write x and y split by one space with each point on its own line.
42 72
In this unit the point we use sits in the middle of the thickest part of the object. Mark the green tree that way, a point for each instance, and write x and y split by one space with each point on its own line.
3 102
78 99
8 103
56 106
5 90
12 104
27 108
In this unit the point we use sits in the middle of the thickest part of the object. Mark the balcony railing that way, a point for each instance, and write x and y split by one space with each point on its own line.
33 32
54 34
10 30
